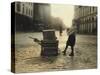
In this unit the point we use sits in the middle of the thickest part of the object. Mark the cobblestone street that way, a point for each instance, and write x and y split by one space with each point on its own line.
28 57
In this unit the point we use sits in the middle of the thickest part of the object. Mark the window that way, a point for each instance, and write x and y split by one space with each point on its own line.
18 7
31 13
23 8
26 11
93 9
92 18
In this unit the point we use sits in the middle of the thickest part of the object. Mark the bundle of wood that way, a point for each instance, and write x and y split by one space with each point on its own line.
35 40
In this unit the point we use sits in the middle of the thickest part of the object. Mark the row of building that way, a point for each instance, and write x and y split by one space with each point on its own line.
32 16
85 19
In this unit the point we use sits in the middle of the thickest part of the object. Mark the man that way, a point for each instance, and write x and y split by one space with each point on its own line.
71 41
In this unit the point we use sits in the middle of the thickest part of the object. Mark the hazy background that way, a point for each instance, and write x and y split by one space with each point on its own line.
65 12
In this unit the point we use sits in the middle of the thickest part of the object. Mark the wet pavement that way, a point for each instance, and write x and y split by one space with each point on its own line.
28 57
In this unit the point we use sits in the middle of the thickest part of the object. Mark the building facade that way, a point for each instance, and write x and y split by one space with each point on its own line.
42 16
32 16
24 8
85 19
24 16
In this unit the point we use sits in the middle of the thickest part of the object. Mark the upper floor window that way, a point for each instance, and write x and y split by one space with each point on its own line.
23 8
18 6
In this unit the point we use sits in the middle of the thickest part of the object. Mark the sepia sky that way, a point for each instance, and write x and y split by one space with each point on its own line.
65 12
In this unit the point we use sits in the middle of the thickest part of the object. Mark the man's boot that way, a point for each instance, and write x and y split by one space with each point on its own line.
64 52
71 54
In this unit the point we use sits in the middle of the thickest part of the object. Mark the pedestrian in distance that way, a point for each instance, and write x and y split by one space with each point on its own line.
60 30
